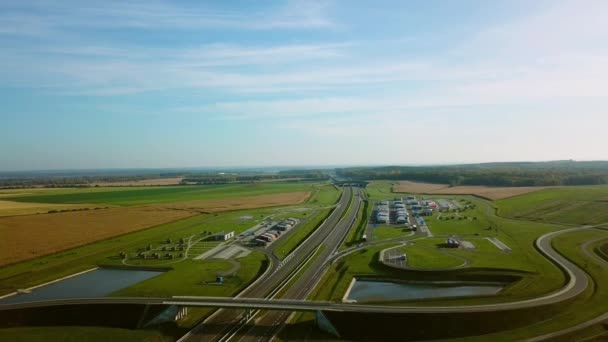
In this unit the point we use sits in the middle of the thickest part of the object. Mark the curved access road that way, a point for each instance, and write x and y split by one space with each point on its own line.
599 319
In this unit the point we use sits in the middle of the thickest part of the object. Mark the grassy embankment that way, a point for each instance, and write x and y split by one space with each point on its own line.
355 235
323 199
569 205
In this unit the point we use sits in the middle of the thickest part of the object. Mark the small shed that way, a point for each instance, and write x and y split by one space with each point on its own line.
225 236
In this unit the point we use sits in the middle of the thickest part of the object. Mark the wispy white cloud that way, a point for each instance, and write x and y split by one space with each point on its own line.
566 26
512 63
53 16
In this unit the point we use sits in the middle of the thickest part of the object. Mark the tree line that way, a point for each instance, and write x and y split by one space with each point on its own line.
490 174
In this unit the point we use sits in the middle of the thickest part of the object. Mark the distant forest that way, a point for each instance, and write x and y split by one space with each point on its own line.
565 172
72 181
75 181
288 175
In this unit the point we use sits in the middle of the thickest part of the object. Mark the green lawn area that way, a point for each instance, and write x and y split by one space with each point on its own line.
189 278
571 205
472 221
326 195
80 334
422 257
160 194
379 190
383 232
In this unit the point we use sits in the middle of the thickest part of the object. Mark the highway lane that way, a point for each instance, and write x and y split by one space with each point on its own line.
224 322
270 323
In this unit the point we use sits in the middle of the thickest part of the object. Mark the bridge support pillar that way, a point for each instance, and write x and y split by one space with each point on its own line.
325 324
248 314
142 318
171 313
181 313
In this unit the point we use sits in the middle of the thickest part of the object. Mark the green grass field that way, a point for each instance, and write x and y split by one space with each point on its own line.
378 190
195 278
388 232
165 194
326 195
571 205
429 258
80 334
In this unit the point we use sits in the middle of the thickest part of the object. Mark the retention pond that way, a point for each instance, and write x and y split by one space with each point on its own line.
377 291
97 283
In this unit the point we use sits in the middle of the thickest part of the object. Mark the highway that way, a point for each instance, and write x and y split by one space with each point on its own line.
269 324
224 323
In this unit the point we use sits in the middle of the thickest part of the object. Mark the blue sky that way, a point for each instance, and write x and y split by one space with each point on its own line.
103 84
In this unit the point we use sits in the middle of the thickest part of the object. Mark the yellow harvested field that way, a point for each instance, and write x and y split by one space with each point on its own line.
492 193
11 208
247 202
31 236
418 188
144 182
